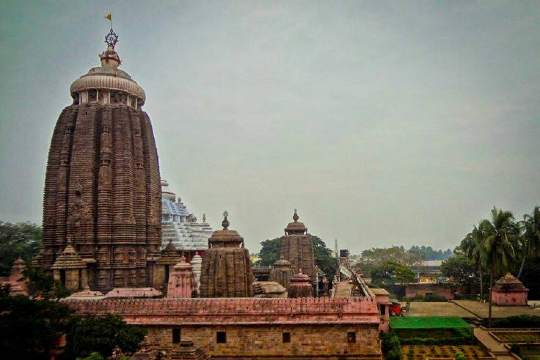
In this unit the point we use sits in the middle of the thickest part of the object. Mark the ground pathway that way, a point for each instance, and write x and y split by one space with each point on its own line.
493 346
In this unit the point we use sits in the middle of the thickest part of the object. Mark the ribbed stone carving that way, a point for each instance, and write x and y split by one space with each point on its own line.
281 272
226 268
297 248
102 187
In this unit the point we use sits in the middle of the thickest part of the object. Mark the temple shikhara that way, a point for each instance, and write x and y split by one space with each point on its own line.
102 196
122 243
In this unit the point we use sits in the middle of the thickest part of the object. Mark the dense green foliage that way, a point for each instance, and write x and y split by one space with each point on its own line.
391 346
17 240
391 273
323 256
29 328
530 277
375 258
496 246
269 253
102 334
42 284
462 270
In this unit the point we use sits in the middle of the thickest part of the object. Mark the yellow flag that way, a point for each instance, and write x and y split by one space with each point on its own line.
108 17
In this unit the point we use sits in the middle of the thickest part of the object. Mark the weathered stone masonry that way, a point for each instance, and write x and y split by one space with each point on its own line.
255 328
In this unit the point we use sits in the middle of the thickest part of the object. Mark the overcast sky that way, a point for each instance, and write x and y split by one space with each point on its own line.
384 123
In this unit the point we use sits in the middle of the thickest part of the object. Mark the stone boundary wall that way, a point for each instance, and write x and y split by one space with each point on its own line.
233 311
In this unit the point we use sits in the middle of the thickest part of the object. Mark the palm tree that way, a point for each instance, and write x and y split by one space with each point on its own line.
531 236
473 247
499 235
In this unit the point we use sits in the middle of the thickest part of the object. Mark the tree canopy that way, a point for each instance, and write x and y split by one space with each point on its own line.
30 328
101 334
17 240
391 273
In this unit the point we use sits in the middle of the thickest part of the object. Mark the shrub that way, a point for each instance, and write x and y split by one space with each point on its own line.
435 298
459 356
519 321
391 346
102 334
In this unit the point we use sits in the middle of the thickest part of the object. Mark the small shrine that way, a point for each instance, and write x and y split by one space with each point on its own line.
508 290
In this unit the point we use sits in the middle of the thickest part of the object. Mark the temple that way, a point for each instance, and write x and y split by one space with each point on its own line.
102 196
123 246
297 248
226 268
180 227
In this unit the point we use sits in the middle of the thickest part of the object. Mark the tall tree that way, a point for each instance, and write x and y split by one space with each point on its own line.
473 246
462 271
531 237
499 236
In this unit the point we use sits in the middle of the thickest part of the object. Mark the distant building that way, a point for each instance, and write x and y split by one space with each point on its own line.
180 227
428 271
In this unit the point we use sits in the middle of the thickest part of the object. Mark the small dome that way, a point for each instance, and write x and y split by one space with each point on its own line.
108 76
282 262
183 264
300 278
225 237
295 227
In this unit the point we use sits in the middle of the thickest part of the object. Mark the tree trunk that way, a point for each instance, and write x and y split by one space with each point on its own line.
490 293
481 283
521 266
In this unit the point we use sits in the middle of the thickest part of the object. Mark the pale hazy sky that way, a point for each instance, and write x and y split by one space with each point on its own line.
382 122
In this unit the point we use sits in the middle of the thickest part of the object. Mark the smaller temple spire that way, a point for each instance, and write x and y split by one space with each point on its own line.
225 222
295 216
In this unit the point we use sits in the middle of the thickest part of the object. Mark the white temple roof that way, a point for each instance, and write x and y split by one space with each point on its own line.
180 226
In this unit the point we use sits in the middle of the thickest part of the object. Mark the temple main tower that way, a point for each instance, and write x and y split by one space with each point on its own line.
102 188
226 268
297 248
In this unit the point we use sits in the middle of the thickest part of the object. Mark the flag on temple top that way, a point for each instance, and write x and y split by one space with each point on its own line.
108 17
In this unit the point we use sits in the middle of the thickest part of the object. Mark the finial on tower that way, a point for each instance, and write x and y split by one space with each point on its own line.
225 222
203 218
295 216
111 38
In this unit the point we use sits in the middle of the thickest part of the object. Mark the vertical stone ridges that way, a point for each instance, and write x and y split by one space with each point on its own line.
298 250
50 202
102 193
81 182
153 185
281 272
226 272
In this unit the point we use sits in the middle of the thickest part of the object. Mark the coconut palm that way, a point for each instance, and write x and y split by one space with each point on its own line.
473 247
499 236
530 240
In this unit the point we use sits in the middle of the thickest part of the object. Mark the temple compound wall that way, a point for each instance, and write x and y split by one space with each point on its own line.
249 328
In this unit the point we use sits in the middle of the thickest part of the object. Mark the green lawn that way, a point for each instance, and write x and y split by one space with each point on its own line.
428 322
